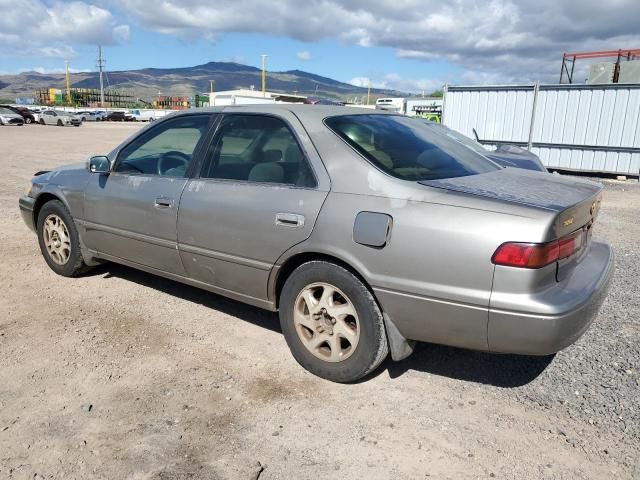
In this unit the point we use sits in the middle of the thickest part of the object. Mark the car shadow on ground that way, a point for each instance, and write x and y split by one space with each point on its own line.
507 371
247 313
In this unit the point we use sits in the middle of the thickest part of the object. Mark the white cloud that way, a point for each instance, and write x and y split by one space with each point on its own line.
509 40
393 81
36 28
304 55
237 59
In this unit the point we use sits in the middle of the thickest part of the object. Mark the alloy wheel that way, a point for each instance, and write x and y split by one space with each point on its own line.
56 239
326 322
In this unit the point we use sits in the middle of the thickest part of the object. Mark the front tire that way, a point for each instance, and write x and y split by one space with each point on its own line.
331 322
59 240
60 123
28 120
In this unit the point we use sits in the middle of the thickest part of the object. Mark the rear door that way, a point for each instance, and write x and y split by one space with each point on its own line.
260 189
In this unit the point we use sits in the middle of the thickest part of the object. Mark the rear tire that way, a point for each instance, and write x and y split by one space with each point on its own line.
60 123
41 122
332 323
59 240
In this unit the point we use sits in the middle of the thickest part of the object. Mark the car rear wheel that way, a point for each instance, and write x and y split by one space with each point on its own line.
331 322
41 122
59 240
60 123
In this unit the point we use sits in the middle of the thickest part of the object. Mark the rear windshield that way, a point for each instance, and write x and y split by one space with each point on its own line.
407 148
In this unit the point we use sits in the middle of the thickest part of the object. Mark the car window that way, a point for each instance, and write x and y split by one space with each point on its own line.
5 111
408 149
165 150
257 148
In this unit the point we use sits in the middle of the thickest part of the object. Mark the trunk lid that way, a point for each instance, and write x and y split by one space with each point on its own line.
576 201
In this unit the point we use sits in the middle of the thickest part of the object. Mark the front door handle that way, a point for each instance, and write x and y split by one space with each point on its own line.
290 220
163 202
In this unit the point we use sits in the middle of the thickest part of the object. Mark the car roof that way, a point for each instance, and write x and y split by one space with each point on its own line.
303 111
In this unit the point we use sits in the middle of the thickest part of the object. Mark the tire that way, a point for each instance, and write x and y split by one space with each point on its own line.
367 325
28 121
60 123
74 265
41 122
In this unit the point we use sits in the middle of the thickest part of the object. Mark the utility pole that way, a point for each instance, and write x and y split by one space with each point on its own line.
264 75
212 99
67 81
100 67
368 91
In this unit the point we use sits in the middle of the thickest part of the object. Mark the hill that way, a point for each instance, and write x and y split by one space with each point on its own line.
147 82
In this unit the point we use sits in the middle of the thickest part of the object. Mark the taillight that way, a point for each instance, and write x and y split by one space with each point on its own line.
537 255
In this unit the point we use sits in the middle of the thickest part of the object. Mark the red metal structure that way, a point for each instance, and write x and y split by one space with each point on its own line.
567 58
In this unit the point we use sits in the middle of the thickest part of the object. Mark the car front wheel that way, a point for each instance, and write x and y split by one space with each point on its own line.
59 240
331 322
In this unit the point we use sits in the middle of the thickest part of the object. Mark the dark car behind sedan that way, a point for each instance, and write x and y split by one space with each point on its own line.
25 113
118 117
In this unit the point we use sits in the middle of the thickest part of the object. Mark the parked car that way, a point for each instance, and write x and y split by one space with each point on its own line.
504 154
118 117
146 115
100 115
366 230
9 117
24 112
61 119
87 116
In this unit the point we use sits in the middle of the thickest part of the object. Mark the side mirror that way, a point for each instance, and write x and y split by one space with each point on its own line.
99 164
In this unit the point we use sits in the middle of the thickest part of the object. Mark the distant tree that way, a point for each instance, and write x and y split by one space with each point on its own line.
436 93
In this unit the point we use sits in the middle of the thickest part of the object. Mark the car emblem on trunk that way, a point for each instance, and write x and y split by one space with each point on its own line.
568 222
594 206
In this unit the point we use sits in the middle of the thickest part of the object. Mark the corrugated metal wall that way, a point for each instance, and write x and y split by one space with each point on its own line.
574 127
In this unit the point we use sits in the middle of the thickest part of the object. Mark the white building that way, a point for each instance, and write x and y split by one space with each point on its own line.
250 97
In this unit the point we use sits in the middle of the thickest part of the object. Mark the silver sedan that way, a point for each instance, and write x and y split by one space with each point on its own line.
367 231
61 119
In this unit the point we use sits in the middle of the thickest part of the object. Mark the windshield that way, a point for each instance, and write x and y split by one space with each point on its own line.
409 149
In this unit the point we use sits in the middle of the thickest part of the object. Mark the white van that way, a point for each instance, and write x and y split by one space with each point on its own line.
145 115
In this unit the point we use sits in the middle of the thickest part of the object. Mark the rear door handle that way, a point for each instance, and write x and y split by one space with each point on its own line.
290 220
163 202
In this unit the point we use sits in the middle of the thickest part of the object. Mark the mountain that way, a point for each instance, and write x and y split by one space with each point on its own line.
147 82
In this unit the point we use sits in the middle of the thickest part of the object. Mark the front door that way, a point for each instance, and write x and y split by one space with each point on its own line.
259 192
131 213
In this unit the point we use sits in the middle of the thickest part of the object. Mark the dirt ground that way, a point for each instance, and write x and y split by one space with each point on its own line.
120 374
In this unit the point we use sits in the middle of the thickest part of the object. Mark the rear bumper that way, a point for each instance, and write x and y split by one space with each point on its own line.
512 330
26 210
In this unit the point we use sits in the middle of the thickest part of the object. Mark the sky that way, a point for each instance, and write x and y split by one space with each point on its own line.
408 45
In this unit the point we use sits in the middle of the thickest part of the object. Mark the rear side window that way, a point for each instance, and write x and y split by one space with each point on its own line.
257 148
407 148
